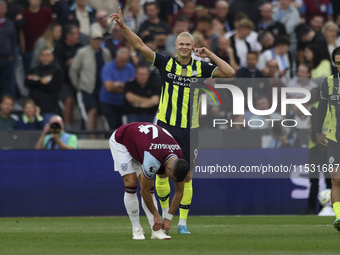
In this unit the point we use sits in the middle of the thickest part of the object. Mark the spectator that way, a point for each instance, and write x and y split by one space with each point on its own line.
250 71
64 52
108 6
200 42
226 53
54 137
256 81
266 39
330 33
238 41
173 7
7 122
272 73
222 11
218 27
252 37
189 11
319 7
307 36
261 103
154 26
133 15
103 24
250 7
142 96
282 137
60 10
49 39
204 26
37 19
85 74
302 79
317 22
15 14
279 52
31 118
7 52
289 16
181 25
321 67
45 82
115 74
84 13
116 41
268 24
84 39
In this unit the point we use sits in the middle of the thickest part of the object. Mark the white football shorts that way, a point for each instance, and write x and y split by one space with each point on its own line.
124 163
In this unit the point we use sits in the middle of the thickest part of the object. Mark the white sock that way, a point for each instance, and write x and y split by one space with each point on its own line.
182 222
165 211
132 208
147 212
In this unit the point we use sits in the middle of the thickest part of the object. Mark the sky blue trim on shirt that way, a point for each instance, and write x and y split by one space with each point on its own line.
154 58
213 72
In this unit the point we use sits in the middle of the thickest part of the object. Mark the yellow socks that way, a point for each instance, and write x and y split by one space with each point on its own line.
163 192
336 209
185 203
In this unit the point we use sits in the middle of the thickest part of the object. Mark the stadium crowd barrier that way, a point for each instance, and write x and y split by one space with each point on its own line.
83 183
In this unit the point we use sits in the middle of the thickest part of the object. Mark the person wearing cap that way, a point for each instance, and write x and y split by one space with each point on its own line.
85 75
307 36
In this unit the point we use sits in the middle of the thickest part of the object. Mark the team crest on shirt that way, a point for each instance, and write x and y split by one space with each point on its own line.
331 160
152 169
124 166
194 73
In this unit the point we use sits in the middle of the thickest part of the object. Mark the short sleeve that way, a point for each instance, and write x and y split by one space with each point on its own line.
106 74
208 69
150 165
324 90
73 142
159 60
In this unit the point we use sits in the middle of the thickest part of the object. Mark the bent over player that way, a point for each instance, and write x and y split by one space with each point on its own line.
140 150
330 97
175 113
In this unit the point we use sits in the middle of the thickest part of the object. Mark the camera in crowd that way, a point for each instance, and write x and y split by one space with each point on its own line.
55 128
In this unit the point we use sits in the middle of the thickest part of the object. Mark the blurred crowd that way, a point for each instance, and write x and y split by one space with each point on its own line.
66 57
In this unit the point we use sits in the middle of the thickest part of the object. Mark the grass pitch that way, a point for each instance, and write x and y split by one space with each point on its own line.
210 235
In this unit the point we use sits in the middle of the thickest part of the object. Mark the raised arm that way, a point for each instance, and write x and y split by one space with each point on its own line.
135 41
224 70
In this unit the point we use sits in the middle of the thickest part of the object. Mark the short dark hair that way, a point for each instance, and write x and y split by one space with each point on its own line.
7 96
205 19
253 53
182 18
180 170
335 52
281 40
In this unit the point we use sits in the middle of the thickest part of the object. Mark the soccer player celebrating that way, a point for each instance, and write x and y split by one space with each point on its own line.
330 97
174 113
146 148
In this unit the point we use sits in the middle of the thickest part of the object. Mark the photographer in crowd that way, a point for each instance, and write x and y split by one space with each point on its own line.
53 136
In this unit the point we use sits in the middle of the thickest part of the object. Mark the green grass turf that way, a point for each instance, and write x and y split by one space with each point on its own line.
210 235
